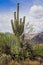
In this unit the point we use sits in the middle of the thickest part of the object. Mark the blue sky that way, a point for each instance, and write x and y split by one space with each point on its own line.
32 9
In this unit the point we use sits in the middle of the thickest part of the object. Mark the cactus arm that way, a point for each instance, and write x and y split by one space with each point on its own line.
12 26
14 16
24 19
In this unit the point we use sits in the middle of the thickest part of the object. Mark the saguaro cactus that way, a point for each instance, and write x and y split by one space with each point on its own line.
18 24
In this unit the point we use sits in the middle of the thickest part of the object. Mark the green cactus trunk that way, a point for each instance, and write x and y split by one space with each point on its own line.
18 25
18 12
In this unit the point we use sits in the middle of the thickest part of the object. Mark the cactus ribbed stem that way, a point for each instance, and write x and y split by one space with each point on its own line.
24 19
18 11
20 20
18 25
14 15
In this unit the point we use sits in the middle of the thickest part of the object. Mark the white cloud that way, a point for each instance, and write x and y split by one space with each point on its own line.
35 17
36 11
5 24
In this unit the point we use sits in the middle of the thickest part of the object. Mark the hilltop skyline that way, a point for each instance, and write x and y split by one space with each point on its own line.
32 9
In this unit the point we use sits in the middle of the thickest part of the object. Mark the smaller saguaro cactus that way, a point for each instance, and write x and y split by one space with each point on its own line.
18 24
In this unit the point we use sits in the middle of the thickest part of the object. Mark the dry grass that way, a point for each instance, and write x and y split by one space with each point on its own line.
24 63
34 63
31 63
13 63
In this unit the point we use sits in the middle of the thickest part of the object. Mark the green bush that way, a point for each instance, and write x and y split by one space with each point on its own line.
5 59
38 49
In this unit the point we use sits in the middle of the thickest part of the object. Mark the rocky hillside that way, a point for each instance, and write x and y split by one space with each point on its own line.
36 37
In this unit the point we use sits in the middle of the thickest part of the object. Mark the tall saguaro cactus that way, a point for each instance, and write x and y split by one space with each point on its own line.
18 24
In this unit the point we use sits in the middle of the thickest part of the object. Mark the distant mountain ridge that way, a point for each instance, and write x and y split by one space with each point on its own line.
36 37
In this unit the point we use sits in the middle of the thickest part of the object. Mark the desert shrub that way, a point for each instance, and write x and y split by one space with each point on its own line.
5 59
38 49
25 54
29 52
5 49
7 39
